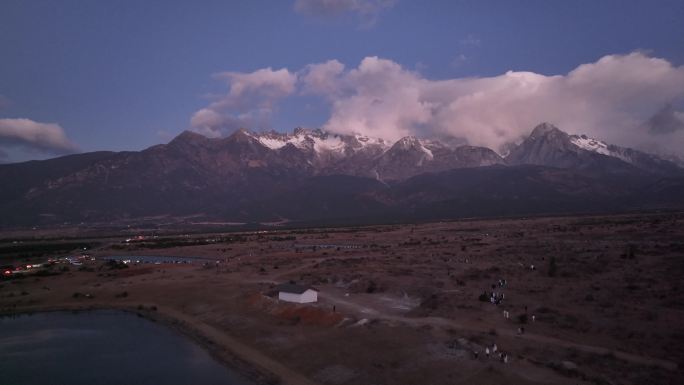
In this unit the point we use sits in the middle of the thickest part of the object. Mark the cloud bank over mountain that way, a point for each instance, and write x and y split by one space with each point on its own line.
250 101
34 136
633 100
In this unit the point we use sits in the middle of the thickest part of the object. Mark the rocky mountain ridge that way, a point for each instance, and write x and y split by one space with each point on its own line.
549 146
313 175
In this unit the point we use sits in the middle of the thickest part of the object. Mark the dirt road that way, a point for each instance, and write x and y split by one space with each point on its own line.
367 312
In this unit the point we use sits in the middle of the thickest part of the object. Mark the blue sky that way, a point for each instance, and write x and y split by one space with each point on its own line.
124 75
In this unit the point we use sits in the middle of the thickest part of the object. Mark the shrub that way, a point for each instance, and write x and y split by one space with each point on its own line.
553 268
631 251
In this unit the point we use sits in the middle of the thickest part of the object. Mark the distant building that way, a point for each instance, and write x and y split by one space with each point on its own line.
296 293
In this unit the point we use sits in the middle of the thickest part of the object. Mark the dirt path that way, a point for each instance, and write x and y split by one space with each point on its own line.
365 311
200 332
251 355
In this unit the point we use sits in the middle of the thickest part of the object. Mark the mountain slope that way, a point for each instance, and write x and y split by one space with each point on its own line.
549 146
311 175
411 156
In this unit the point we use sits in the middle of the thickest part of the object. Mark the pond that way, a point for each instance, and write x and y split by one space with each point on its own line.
101 348
158 259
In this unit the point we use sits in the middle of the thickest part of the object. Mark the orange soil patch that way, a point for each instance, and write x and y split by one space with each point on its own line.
306 314
309 315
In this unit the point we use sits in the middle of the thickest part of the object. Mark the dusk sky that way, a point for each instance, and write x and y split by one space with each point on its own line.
124 75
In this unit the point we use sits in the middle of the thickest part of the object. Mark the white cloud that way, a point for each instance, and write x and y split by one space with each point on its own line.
322 78
609 99
207 122
263 86
666 121
31 135
367 10
378 98
249 102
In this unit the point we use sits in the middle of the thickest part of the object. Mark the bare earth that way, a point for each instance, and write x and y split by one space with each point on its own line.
405 299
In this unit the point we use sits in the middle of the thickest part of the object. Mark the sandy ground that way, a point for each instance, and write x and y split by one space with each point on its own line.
399 304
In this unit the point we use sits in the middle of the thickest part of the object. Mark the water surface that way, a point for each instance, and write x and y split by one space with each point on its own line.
158 259
101 348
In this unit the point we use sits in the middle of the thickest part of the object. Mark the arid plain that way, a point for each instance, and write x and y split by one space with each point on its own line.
591 299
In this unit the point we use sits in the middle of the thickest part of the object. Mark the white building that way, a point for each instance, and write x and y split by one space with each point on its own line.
297 293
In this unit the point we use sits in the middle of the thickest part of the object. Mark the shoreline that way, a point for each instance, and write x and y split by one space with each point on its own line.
248 363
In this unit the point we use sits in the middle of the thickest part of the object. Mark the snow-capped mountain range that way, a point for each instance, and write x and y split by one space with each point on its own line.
317 140
324 153
549 146
317 175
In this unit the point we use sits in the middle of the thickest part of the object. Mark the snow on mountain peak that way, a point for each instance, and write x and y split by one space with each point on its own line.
271 142
328 143
364 140
543 129
590 144
303 139
427 152
411 142
408 142
600 147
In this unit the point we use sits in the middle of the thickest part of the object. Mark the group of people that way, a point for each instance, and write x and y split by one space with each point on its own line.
494 352
495 297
